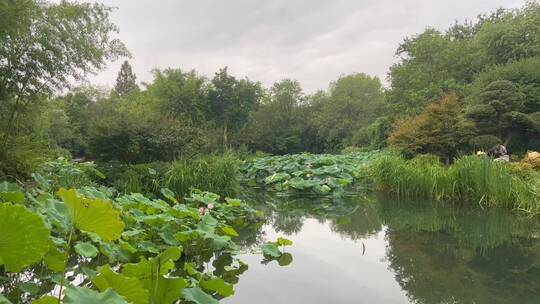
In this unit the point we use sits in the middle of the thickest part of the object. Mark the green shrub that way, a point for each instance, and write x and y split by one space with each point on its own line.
469 179
23 155
484 142
216 174
63 173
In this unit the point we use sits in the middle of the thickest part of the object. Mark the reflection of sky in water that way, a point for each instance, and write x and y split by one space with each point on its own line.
327 268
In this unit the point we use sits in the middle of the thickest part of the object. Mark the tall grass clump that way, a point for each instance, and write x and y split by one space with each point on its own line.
218 174
470 179
139 178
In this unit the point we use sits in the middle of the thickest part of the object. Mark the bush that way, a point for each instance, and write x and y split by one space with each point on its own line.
484 142
23 156
63 173
533 159
216 174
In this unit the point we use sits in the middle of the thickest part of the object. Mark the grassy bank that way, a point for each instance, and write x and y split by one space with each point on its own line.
470 179
216 173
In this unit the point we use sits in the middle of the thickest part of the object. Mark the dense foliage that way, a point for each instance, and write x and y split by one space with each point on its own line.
471 179
308 173
97 244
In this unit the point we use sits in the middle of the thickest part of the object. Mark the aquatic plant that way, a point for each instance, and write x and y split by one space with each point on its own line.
213 173
470 179
315 173
88 246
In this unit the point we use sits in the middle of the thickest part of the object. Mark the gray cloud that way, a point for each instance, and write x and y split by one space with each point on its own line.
313 41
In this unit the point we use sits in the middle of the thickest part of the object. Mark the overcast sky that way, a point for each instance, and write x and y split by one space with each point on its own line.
313 41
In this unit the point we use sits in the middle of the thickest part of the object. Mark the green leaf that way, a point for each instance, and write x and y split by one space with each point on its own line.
271 250
86 250
80 295
93 215
163 290
55 260
283 242
24 239
168 290
169 195
198 296
41 181
218 285
285 259
45 300
128 287
229 231
29 287
10 192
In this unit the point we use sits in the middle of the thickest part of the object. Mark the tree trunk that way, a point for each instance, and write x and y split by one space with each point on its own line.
225 139
507 139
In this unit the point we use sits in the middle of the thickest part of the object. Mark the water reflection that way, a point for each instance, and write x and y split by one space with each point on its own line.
417 252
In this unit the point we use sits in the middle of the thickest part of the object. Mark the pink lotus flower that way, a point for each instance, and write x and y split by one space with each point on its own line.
202 211
210 206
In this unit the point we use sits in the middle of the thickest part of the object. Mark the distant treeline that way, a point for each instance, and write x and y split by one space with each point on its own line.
452 92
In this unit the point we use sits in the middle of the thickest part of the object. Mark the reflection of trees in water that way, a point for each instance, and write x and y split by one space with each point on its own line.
441 255
437 269
287 222
362 223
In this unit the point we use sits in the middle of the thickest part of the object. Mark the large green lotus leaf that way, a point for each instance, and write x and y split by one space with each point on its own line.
128 287
24 239
83 295
198 296
162 290
10 192
168 290
145 268
93 215
86 250
218 285
271 250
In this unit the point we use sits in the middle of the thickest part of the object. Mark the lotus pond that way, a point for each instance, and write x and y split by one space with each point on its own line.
302 230
375 249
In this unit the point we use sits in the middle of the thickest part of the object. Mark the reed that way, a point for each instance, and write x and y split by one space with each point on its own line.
218 174
470 179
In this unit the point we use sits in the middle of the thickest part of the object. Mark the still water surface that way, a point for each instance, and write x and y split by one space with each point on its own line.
376 250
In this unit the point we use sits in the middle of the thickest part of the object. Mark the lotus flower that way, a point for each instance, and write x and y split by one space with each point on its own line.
210 206
202 211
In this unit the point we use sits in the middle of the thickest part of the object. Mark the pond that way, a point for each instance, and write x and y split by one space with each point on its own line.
374 249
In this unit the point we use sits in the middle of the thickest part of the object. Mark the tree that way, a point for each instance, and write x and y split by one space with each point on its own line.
434 63
440 129
48 45
231 101
278 125
125 81
499 110
355 101
179 95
